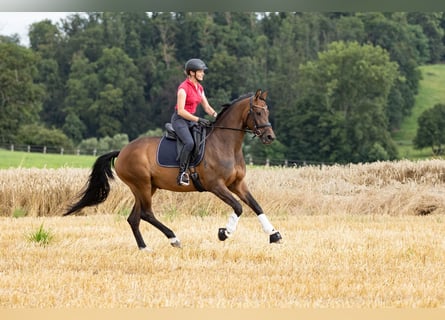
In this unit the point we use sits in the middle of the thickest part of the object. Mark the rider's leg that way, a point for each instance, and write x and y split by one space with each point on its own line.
182 130
184 158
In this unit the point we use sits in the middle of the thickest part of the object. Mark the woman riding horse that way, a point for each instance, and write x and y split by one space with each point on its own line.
190 94
222 170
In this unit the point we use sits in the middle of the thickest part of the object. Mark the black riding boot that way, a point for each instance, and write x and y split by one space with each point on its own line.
183 176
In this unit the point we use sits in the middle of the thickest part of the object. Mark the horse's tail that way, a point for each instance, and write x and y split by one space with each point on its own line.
97 189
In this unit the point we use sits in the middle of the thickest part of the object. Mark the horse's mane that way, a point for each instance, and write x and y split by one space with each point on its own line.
226 106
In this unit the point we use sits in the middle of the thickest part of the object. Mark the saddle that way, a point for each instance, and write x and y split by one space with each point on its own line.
198 134
170 148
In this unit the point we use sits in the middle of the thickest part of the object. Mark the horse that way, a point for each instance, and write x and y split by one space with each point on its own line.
222 170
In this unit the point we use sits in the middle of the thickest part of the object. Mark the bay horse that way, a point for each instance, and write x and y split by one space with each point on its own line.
221 171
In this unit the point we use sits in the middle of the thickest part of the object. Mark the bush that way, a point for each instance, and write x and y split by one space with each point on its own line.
88 145
104 144
34 134
158 132
431 129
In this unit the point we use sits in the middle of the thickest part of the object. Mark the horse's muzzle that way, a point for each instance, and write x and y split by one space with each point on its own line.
267 136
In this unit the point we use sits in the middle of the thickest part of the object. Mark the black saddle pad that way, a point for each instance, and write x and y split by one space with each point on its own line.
168 153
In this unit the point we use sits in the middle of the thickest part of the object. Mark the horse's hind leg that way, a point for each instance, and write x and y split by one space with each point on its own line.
134 220
142 210
150 218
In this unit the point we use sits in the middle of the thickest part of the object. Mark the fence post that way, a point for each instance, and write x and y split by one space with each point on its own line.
94 152
78 152
44 149
28 148
61 151
12 147
267 162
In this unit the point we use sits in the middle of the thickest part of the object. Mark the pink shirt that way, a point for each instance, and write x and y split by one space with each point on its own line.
193 95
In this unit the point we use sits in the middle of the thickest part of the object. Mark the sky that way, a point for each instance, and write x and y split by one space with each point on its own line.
19 22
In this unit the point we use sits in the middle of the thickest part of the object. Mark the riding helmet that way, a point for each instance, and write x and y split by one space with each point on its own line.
194 65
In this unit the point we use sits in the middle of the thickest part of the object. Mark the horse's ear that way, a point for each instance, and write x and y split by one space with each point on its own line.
264 95
258 94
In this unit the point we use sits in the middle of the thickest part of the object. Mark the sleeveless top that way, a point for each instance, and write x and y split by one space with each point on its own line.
193 95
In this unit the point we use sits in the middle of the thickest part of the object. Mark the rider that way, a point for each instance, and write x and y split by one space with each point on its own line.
190 94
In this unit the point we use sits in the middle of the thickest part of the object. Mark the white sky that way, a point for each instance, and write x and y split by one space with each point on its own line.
19 22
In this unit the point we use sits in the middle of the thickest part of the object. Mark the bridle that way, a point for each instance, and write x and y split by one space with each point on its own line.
256 127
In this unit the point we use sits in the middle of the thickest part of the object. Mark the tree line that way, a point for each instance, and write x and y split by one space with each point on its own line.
338 83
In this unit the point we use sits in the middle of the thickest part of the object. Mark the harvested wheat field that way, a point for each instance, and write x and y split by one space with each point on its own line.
369 235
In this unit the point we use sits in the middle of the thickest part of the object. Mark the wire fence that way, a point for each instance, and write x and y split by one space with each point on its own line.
250 160
51 150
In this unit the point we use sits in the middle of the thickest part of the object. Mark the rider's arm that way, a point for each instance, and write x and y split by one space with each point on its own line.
207 107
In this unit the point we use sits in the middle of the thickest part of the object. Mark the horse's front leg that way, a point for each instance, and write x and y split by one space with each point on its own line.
244 194
225 195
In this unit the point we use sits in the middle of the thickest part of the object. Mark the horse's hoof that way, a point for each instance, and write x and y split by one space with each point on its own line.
222 234
275 238
146 249
176 244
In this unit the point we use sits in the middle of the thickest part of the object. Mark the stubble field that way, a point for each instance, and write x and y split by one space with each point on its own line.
368 235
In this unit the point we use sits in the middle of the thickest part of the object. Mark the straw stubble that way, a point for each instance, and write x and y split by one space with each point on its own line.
325 261
354 236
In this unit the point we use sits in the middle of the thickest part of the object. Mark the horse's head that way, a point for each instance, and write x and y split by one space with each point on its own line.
258 117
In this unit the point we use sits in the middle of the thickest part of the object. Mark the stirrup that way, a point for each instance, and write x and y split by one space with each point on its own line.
183 179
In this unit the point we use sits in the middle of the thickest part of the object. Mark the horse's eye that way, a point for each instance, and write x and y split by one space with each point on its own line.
258 113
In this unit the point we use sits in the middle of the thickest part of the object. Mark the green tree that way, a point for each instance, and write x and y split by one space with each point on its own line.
285 53
85 34
431 129
430 24
14 38
107 72
74 128
350 28
114 29
20 97
343 99
166 46
82 90
194 35
45 39
136 26
408 46
121 94
109 109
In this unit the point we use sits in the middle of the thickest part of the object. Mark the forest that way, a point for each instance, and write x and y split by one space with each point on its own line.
339 82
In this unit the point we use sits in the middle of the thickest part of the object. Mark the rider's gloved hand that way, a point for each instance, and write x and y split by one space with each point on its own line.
204 122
